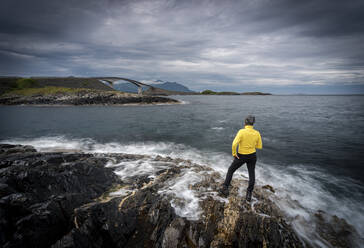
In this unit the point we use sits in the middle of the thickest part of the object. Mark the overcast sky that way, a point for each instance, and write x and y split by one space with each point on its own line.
282 46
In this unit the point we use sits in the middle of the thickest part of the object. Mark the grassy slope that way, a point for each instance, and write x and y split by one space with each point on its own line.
31 86
7 83
50 90
72 82
10 84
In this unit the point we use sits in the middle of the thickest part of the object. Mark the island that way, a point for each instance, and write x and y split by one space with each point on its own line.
69 91
231 93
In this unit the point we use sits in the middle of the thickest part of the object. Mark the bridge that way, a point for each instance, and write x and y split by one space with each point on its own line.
111 81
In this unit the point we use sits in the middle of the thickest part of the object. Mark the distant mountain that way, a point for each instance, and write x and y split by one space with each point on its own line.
128 87
172 86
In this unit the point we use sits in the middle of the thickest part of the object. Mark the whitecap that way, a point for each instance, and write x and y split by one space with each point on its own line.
217 128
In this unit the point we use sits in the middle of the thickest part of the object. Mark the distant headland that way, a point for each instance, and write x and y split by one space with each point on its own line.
255 93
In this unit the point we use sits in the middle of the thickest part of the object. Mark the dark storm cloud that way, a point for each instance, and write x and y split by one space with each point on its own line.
312 17
51 19
218 44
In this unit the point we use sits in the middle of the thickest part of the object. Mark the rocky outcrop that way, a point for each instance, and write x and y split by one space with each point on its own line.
146 219
336 231
76 200
39 192
84 98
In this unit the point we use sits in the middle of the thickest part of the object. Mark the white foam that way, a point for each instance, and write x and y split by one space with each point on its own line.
183 102
48 144
300 194
137 168
121 192
184 199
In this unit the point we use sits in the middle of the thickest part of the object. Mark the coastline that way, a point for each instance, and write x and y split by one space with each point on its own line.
95 105
85 98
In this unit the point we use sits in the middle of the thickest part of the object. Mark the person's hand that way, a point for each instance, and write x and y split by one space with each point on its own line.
236 156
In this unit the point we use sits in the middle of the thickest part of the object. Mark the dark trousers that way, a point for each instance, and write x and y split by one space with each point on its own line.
250 160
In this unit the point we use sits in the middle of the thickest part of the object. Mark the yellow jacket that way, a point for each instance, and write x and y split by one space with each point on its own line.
248 139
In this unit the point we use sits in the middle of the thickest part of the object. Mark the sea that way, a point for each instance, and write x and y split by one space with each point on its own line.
313 146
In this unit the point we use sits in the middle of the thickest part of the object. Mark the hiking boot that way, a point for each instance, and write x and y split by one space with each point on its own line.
248 196
224 191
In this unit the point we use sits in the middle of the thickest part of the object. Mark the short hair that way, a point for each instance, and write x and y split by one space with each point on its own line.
249 120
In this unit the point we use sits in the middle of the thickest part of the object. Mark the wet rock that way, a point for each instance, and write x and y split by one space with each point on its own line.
40 191
335 230
268 187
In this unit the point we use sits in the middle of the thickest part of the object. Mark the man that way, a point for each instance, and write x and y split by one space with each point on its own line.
247 140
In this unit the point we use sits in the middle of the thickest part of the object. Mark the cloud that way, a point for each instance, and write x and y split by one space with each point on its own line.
219 44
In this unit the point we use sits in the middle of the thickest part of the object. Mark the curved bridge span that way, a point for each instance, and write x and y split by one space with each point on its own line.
111 81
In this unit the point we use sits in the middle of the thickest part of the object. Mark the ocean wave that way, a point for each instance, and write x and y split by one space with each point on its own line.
183 102
300 192
217 128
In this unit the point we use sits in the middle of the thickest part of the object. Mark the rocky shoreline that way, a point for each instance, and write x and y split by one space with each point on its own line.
68 199
84 98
